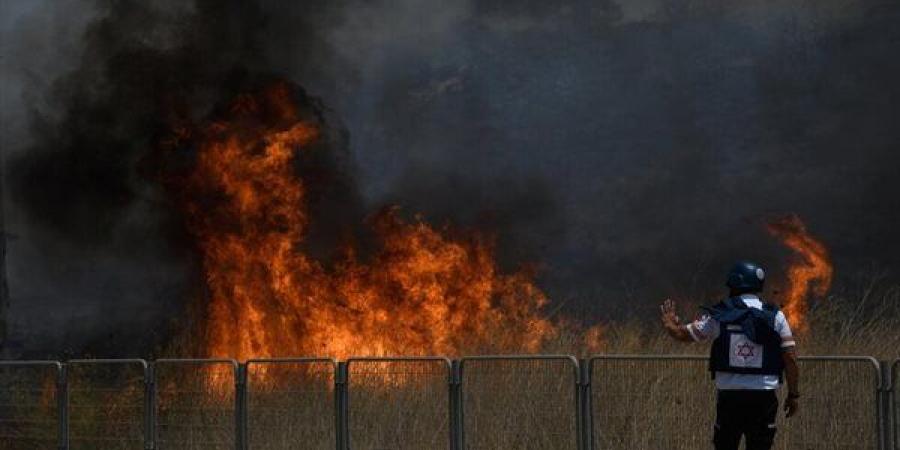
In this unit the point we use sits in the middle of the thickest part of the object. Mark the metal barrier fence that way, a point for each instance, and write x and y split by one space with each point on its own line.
398 403
32 405
543 411
634 397
291 401
197 404
107 399
842 406
480 402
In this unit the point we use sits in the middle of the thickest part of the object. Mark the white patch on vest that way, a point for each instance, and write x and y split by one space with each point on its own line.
760 274
744 353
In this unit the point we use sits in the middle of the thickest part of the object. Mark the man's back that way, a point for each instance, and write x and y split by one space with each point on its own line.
707 329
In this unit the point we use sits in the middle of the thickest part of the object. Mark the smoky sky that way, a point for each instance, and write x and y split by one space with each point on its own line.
631 149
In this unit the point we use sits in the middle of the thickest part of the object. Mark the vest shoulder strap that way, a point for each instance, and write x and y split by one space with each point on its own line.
737 303
729 310
714 310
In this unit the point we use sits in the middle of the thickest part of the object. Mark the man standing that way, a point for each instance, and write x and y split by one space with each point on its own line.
752 347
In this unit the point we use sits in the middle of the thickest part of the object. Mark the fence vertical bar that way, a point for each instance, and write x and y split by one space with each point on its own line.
587 421
888 404
894 403
240 407
455 424
460 417
341 409
149 407
889 407
881 403
154 400
882 416
579 404
62 404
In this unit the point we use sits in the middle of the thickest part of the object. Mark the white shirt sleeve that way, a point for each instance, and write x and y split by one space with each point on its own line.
704 329
784 330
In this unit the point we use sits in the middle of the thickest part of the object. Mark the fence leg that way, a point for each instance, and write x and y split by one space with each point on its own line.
240 407
579 402
341 408
62 406
586 413
149 408
455 394
460 406
892 407
885 407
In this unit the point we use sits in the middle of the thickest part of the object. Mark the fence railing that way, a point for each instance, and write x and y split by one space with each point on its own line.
478 402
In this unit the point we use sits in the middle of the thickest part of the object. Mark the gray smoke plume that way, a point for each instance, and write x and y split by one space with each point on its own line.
633 149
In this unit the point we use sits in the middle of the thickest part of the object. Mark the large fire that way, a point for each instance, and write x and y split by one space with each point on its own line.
421 291
810 272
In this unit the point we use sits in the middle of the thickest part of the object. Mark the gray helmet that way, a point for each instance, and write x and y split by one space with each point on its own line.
746 276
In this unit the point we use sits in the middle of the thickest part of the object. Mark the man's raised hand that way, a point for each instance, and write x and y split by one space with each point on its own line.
672 323
669 315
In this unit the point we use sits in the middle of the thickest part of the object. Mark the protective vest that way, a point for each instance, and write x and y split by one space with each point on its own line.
747 342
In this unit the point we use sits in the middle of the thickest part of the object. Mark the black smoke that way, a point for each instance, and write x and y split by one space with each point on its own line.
94 185
633 149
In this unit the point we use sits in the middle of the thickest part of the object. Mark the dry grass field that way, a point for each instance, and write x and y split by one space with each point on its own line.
509 404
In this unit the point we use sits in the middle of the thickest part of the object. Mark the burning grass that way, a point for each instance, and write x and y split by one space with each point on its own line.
422 290
245 195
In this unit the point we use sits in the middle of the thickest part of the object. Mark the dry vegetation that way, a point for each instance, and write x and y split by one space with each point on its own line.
865 322
636 404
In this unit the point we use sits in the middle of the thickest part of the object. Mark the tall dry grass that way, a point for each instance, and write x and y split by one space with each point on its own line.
864 321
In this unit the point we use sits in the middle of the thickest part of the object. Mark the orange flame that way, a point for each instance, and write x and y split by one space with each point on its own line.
810 271
423 291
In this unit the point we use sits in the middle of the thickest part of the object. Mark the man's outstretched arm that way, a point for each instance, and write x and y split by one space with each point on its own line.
792 376
672 323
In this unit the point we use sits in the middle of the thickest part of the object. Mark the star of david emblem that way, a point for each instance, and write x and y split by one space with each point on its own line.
745 350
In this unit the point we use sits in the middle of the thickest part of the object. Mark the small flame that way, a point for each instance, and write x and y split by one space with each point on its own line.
594 339
810 271
423 291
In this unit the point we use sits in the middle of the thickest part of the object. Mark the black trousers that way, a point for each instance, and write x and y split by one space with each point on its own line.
750 414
